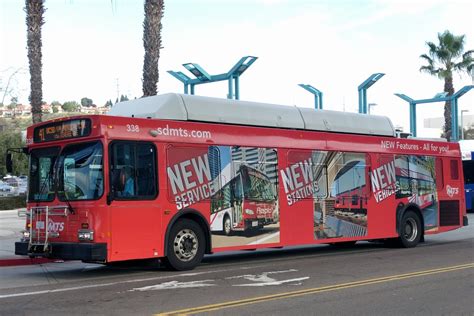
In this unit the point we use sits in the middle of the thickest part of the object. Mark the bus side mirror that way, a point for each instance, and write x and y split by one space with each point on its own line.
9 162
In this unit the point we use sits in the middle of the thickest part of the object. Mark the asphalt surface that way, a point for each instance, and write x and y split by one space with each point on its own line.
435 278
10 227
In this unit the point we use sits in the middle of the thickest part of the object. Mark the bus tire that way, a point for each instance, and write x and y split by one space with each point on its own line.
411 231
186 245
227 225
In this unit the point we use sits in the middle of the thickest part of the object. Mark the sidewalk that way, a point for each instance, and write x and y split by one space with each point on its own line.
10 227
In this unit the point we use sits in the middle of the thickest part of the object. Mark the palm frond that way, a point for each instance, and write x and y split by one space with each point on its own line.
444 73
433 48
463 65
428 59
429 69
468 54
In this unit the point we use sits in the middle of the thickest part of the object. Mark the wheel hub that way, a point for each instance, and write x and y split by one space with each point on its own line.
185 245
411 230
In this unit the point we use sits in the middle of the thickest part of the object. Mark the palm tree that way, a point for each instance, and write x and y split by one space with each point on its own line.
152 43
443 60
34 21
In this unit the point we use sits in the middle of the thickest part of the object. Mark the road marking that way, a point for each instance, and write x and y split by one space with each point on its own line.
261 299
263 279
75 288
174 285
258 277
295 281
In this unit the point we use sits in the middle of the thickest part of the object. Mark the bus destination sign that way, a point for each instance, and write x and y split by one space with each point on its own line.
62 130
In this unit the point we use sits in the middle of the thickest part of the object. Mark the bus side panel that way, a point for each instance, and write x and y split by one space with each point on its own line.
296 197
451 195
382 204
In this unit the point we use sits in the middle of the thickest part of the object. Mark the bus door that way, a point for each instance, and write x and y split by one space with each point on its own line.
133 189
237 203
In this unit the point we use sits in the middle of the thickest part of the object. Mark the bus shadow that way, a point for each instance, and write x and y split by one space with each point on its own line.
291 251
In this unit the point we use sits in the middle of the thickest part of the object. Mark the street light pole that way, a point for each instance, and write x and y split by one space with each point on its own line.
462 123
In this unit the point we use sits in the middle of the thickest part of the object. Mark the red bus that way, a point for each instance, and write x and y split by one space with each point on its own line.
147 180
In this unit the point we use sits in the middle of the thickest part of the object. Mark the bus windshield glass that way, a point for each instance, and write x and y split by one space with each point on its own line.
75 174
42 162
257 187
80 172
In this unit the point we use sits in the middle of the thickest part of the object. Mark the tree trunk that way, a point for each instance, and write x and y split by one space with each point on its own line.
152 44
34 21
448 87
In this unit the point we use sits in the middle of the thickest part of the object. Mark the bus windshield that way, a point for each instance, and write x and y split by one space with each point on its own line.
75 174
42 162
257 187
80 172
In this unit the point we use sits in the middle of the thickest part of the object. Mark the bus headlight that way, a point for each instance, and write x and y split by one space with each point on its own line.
85 235
249 212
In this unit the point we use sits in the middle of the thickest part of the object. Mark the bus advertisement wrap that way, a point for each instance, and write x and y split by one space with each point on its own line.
239 183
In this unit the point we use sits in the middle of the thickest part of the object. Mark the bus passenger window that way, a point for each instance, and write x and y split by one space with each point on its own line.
133 171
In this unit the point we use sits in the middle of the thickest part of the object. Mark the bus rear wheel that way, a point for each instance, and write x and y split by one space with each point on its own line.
227 225
410 230
186 243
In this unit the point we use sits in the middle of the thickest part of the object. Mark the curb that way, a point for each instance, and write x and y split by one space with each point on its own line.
10 262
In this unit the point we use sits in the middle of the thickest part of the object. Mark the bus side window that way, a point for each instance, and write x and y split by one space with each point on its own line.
133 170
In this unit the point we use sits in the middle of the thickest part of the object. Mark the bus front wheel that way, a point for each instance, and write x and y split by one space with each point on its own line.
186 243
410 230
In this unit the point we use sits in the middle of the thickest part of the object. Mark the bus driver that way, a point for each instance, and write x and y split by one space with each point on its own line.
126 180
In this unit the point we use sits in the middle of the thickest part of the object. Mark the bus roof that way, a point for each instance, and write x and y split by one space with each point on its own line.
183 107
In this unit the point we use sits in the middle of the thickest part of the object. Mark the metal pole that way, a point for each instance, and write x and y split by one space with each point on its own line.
462 125
231 93
192 89
413 119
185 89
454 125
320 100
236 83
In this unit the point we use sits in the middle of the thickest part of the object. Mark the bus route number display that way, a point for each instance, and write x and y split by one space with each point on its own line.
62 130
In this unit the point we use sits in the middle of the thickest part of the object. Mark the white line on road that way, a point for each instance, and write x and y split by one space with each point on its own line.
276 282
174 285
75 288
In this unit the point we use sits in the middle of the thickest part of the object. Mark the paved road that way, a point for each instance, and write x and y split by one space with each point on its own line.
10 227
435 278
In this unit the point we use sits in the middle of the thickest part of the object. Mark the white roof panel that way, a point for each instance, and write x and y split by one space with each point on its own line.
347 122
185 107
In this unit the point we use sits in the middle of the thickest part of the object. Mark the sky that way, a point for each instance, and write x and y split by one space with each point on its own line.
94 49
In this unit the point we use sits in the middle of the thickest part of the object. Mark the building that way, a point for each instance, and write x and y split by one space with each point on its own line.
438 122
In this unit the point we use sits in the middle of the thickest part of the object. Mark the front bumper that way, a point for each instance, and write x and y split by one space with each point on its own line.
95 252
